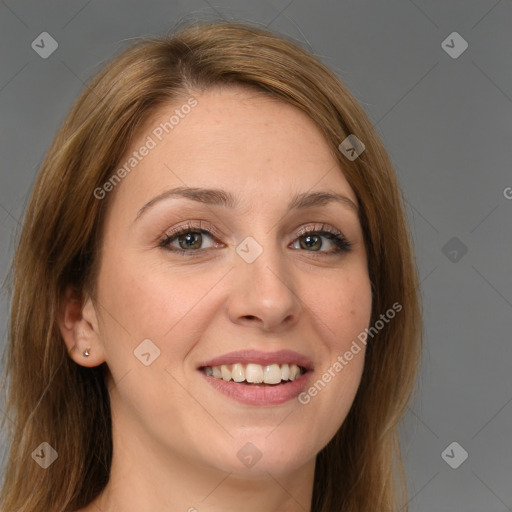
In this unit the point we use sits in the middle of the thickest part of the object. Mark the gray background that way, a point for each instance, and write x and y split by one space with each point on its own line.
447 125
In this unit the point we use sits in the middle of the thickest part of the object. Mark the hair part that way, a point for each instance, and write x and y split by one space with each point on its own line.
53 399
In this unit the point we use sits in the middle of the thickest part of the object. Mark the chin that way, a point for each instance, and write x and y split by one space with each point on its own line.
261 455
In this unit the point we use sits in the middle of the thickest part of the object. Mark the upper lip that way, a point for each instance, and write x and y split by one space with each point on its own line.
262 358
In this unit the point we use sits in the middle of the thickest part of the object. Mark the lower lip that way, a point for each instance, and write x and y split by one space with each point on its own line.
260 394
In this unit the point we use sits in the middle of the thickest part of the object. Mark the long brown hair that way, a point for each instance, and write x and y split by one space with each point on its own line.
52 399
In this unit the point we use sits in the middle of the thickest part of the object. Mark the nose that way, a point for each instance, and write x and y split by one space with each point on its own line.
262 293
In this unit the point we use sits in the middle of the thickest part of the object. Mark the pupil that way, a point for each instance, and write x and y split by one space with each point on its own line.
310 244
189 237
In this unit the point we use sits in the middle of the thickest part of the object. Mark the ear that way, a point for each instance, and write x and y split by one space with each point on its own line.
78 325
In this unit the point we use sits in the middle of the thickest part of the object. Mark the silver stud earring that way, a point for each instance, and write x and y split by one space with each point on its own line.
86 353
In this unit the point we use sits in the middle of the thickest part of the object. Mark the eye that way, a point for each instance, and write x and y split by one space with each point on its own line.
188 240
311 238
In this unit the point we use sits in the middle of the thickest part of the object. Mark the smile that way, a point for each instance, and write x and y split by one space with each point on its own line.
253 373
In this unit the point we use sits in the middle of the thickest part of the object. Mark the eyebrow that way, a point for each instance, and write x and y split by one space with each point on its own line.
218 197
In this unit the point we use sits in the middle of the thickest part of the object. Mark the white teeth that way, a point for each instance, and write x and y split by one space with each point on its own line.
255 373
285 371
294 372
226 374
272 374
238 373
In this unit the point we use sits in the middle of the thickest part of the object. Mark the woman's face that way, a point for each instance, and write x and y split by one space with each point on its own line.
241 277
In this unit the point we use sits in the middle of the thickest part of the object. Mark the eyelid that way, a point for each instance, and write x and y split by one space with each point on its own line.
323 227
203 225
342 243
207 226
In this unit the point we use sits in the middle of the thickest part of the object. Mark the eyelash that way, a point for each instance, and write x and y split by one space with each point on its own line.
342 245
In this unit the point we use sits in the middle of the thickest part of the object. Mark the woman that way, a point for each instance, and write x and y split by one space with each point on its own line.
215 298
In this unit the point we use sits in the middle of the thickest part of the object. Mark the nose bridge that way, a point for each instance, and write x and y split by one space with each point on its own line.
263 280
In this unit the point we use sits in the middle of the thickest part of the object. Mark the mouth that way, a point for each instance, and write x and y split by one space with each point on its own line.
258 378
253 374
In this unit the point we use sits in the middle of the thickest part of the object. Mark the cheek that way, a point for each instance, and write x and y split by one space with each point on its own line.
344 308
147 301
343 312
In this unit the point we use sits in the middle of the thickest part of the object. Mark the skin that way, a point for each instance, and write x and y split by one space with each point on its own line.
175 437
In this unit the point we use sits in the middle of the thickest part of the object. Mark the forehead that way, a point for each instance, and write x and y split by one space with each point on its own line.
260 148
